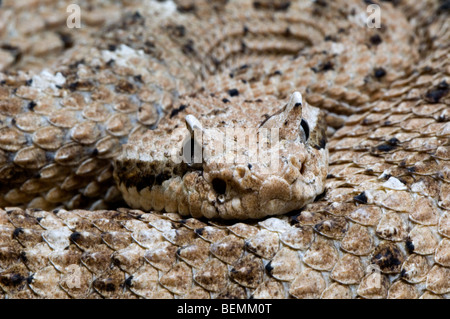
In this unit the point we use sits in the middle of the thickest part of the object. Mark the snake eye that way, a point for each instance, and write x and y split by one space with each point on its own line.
305 127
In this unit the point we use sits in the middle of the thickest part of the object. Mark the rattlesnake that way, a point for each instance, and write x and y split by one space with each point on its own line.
70 100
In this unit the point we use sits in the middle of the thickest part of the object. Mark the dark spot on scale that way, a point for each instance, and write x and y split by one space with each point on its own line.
379 73
435 94
137 15
17 232
249 166
287 32
75 64
442 118
13 280
30 279
390 145
388 257
149 46
75 236
23 257
219 185
178 31
375 39
178 110
394 2
233 92
110 287
444 7
386 147
216 61
323 67
361 198
112 47
186 8
411 169
28 82
199 231
329 176
73 86
321 3
124 87
243 47
188 48
129 281
269 268
327 66
409 246
269 5
225 100
393 141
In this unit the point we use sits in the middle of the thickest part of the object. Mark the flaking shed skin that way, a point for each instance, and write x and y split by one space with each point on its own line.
71 99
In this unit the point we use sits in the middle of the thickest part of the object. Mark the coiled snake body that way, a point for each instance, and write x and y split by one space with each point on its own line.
86 114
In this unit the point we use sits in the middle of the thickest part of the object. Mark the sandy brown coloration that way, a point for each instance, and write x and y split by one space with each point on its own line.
381 229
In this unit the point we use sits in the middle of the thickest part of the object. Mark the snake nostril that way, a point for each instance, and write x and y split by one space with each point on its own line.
219 185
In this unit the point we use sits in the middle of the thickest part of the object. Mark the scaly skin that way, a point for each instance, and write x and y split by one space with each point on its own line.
381 228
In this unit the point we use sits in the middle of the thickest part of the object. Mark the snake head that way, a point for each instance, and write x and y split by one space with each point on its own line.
231 161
